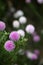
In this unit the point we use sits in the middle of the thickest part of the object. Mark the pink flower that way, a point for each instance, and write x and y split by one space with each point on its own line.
2 26
9 45
36 38
14 36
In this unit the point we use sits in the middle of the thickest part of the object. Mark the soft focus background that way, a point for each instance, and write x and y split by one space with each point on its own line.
33 11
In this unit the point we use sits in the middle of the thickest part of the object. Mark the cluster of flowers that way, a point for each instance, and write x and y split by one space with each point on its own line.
39 1
14 36
30 55
22 19
10 44
33 55
29 28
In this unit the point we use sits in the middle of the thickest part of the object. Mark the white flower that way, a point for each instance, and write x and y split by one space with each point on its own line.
21 32
23 20
16 24
30 29
18 13
40 1
31 55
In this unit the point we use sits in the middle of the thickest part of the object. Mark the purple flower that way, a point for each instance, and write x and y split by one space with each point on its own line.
36 38
9 45
2 26
14 36
34 57
36 52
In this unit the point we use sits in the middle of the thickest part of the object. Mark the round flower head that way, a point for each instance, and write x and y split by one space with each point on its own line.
40 1
36 38
22 20
30 29
21 32
14 36
31 55
9 45
2 26
36 52
18 13
28 1
16 24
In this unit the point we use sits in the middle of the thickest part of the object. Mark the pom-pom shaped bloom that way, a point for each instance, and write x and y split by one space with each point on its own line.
16 24
28 1
22 20
40 1
2 26
37 52
18 13
36 38
31 55
21 32
30 29
14 36
9 45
